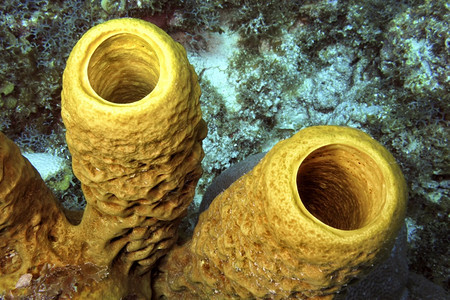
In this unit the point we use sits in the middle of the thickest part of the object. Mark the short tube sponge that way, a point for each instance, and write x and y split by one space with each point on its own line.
130 103
318 210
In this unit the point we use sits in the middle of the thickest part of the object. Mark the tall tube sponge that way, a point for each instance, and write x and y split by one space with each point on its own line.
319 210
130 103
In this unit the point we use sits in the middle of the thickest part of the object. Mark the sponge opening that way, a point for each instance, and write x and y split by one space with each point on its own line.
341 186
123 69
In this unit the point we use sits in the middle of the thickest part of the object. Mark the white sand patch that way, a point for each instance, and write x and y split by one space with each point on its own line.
213 65
46 164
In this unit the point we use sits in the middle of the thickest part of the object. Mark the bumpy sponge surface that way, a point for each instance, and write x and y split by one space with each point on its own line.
29 216
130 103
318 210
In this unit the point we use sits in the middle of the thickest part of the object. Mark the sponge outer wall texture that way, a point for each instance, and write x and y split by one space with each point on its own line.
130 103
256 241
385 281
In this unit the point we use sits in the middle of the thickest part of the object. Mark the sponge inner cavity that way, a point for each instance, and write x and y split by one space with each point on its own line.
123 69
341 186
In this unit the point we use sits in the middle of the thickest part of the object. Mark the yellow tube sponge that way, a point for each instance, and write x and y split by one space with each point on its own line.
130 103
320 209
29 217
